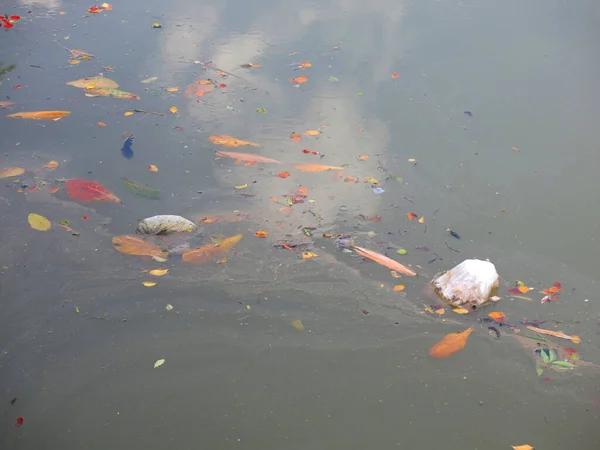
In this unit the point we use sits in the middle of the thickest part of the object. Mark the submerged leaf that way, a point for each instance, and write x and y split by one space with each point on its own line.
89 191
142 190
110 92
209 252
137 246
38 222
11 172
247 157
310 167
298 325
450 344
93 82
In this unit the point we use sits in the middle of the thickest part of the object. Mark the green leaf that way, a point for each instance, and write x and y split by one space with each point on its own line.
261 110
142 190
400 179
333 79
359 93
563 364
538 368
401 251
545 357
552 355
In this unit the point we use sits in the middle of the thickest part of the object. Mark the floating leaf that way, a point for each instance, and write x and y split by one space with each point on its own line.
89 191
450 344
165 224
198 89
539 369
136 246
523 289
363 157
101 124
411 216
128 113
298 325
283 174
558 334
261 110
242 186
230 141
497 316
149 80
247 157
371 180
563 364
152 168
172 89
384 261
11 172
310 167
110 92
261 234
309 255
173 109
555 289
399 287
142 190
312 133
38 222
169 307
149 283
401 251
210 252
158 272
39 115
159 363
93 82
299 80
460 310
304 64
522 447
250 65
395 75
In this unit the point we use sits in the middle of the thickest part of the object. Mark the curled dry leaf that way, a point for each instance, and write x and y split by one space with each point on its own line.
172 89
363 157
149 283
450 344
295 137
460 310
38 222
10 172
137 246
128 113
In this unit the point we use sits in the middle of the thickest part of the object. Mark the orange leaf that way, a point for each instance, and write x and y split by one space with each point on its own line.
412 216
523 289
497 316
363 157
152 168
210 251
261 234
555 289
51 165
137 246
299 80
172 89
283 174
316 167
399 287
302 191
173 109
450 344
295 137
53 190
522 447
395 75
305 64
312 132
101 124
230 141
350 180
39 115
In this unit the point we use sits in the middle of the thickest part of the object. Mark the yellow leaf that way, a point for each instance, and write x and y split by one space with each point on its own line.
101 124
149 283
169 307
38 222
440 311
51 165
312 132
173 109
159 363
11 172
158 272
363 157
428 309
137 246
399 287
74 62
128 113
422 219
523 289
172 89
460 310
298 325
371 180
241 186
522 447
152 168
308 255
412 160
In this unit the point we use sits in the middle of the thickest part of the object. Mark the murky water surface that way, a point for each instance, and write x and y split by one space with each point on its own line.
480 117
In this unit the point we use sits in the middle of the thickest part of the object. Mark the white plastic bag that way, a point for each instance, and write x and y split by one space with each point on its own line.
472 283
165 224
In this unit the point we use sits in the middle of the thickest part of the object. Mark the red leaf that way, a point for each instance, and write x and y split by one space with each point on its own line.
306 152
15 18
514 291
19 422
283 174
412 216
89 191
222 85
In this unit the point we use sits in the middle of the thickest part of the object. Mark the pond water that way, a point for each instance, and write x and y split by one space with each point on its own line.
479 117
